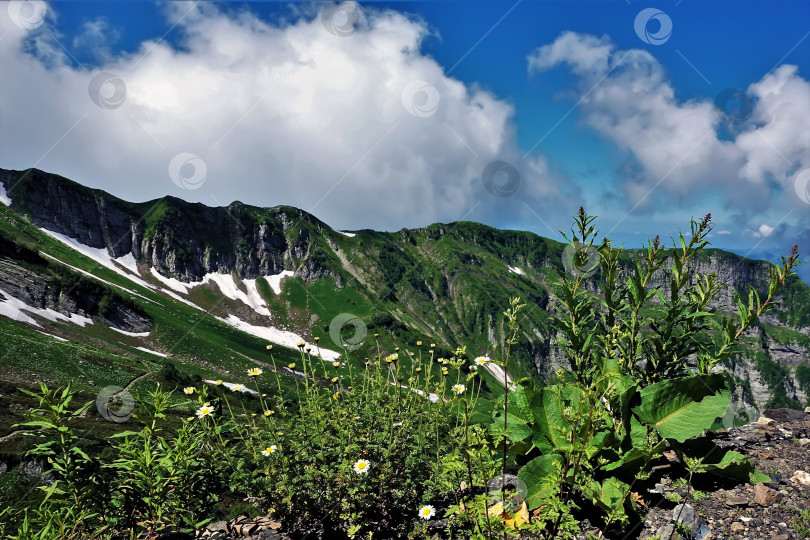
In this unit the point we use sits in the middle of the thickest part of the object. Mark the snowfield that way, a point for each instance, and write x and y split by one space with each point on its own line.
230 386
150 351
285 338
130 334
4 196
172 283
19 311
275 281
102 256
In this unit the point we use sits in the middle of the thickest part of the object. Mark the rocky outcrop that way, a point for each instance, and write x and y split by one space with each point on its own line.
44 291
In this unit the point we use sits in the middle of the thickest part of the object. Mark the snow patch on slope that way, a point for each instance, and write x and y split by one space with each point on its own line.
275 281
432 397
52 336
110 283
128 262
4 196
101 256
516 270
19 311
172 283
285 338
500 375
130 334
150 351
230 386
227 285
349 234
255 299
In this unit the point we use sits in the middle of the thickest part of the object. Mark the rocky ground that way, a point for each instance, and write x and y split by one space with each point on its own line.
778 444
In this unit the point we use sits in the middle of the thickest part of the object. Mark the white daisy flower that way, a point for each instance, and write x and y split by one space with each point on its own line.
427 512
481 360
269 450
254 372
459 388
188 390
205 410
361 466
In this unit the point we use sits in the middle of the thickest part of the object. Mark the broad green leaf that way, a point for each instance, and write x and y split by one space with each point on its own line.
682 408
541 475
552 431
609 495
519 415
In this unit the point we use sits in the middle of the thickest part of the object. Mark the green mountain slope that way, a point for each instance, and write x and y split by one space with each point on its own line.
446 283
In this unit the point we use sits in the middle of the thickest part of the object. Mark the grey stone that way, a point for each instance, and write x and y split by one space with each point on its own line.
734 500
684 513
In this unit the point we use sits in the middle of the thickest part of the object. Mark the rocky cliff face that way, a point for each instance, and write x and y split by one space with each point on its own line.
43 291
180 239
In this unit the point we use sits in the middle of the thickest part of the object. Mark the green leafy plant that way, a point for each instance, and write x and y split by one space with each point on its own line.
633 388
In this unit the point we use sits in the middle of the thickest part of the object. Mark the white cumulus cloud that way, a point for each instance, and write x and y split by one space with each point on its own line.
278 113
678 152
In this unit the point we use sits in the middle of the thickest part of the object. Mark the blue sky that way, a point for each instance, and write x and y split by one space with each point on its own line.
278 109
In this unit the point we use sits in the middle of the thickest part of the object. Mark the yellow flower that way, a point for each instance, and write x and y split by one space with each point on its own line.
269 413
190 418
218 382
427 512
269 347
252 414
269 450
418 343
188 390
335 379
392 358
316 340
432 345
336 395
291 365
301 344
513 521
418 369
361 467
254 372
336 364
205 410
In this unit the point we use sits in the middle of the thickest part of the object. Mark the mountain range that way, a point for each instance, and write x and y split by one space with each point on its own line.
104 291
